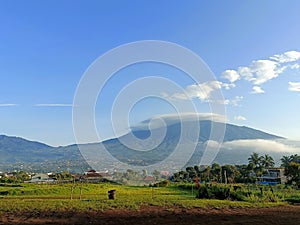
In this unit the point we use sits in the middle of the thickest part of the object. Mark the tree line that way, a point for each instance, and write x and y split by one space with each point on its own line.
247 173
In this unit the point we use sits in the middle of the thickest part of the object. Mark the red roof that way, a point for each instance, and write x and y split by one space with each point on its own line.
149 178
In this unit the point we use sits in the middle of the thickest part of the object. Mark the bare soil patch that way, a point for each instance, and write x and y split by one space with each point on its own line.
158 215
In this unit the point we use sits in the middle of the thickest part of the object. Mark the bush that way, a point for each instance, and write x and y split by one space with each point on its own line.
163 183
220 192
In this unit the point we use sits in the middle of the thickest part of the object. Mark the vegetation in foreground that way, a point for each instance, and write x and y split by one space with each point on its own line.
83 197
184 190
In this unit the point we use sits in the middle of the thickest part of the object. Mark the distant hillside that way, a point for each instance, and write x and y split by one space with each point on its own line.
14 149
18 151
11 143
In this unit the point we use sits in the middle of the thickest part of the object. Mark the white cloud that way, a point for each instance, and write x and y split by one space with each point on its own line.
7 105
240 118
234 102
54 105
201 91
258 72
294 86
228 86
204 93
192 116
257 90
261 145
231 75
170 119
289 56
245 73
295 66
262 71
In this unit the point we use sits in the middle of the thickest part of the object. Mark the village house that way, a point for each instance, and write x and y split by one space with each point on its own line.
41 178
92 176
273 176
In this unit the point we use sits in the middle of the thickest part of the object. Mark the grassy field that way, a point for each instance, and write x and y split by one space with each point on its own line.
45 197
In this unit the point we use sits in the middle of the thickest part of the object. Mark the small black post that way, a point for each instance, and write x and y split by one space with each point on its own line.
112 194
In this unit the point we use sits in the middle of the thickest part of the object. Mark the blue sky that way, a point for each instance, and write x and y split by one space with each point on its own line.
46 46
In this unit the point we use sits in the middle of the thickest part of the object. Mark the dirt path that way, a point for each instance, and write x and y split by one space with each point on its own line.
158 215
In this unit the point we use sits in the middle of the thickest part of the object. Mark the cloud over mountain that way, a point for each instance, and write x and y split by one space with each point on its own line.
240 118
261 146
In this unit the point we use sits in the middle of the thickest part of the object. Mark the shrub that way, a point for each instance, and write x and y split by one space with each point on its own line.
163 183
220 192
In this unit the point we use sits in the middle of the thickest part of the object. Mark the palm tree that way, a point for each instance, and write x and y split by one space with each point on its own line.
255 160
285 161
295 158
267 161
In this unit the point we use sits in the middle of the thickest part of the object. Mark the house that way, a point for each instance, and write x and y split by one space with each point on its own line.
41 178
149 179
273 176
92 176
165 173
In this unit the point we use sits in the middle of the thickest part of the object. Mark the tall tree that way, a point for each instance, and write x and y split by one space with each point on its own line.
216 172
267 161
285 161
255 159
295 158
291 165
293 173
191 172
231 172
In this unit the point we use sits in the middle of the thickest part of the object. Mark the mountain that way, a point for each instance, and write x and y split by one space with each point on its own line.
19 153
171 140
11 143
238 143
232 132
13 149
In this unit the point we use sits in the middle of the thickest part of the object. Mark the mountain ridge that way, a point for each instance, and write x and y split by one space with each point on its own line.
16 150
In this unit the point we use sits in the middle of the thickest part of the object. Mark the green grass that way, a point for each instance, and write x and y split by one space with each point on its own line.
36 198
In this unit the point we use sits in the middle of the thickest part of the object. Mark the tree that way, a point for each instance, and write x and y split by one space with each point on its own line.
244 174
197 169
267 161
255 162
295 158
293 172
216 172
191 172
231 172
285 161
255 159
207 173
291 165
175 177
